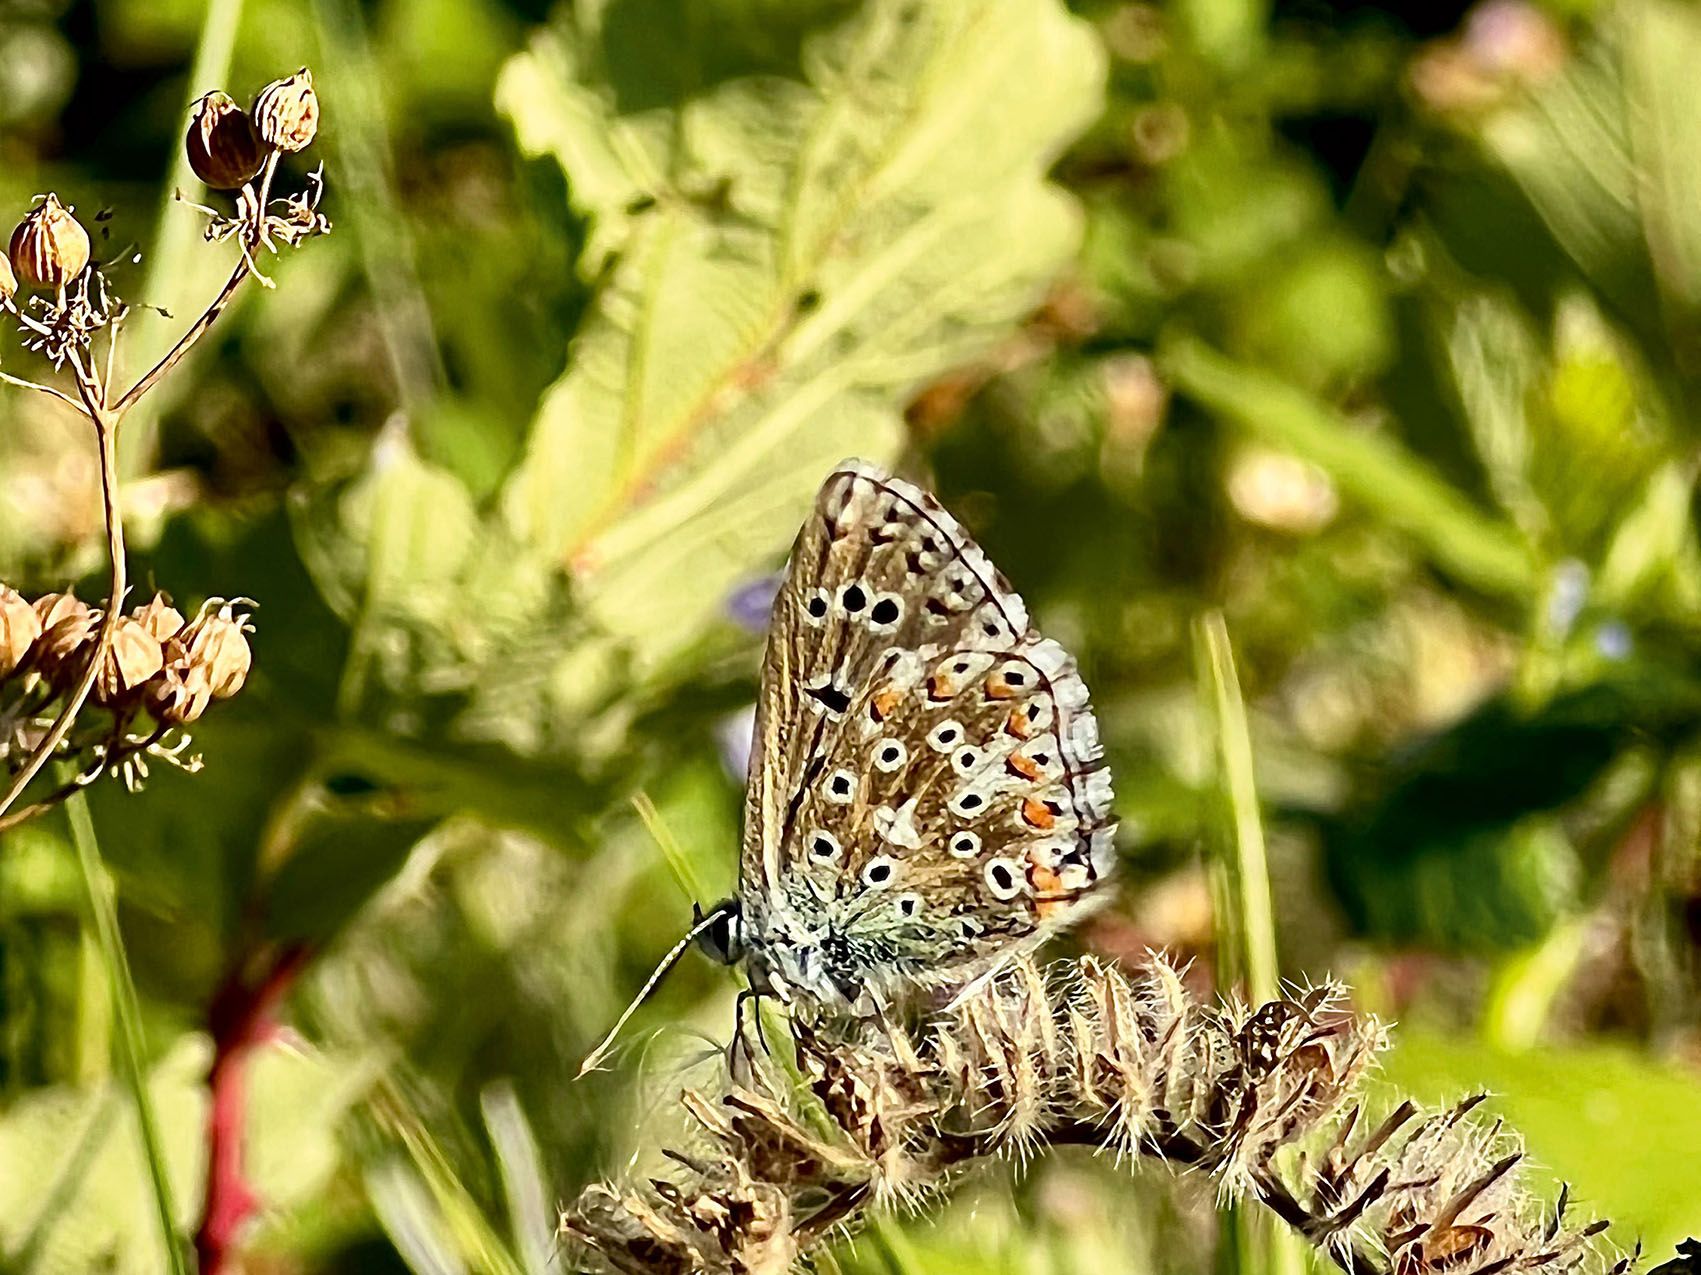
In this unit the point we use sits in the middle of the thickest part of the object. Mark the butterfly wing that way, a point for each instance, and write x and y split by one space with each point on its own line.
927 792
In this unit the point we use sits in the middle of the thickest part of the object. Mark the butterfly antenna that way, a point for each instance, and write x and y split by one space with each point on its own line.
703 922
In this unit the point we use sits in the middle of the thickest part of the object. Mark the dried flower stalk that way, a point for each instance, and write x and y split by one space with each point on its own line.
1262 1101
50 250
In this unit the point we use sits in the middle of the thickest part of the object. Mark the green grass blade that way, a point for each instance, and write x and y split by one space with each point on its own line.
171 278
104 912
678 862
1246 925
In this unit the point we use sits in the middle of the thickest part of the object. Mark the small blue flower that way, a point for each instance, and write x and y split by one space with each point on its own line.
750 603
1613 640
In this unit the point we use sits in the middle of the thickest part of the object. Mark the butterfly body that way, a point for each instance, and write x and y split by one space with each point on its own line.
927 794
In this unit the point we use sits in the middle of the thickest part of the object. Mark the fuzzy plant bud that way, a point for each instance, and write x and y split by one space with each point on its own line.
160 618
286 114
134 657
178 694
215 643
49 248
224 150
19 628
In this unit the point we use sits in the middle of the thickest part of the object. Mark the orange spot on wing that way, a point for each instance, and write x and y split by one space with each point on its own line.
1018 723
1036 814
940 688
998 688
1049 894
1026 767
881 705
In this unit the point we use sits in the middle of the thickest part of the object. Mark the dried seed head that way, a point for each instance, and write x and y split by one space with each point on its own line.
160 618
19 628
223 148
63 646
177 695
8 280
214 643
134 657
50 247
286 114
50 608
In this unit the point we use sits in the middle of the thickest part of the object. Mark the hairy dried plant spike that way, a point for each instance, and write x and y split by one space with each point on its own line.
1078 1054
19 629
49 248
222 146
286 113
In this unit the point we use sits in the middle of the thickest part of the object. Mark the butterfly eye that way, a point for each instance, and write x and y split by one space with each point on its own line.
885 612
889 754
841 787
942 736
823 846
880 871
965 845
1002 880
965 760
815 609
909 904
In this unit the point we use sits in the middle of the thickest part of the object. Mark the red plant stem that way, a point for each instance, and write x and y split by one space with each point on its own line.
239 1017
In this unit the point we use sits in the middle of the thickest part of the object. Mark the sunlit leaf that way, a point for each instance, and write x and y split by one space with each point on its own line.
782 259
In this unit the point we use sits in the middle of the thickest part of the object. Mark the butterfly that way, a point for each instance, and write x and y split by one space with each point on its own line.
927 796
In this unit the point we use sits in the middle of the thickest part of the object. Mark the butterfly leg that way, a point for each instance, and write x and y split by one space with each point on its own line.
741 1058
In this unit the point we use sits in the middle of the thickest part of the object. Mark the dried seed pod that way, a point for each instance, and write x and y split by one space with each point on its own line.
63 647
223 148
214 643
50 608
177 695
286 114
134 657
50 247
19 628
160 618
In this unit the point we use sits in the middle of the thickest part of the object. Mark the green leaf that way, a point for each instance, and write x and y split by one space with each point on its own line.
783 258
336 862
1371 468
1601 1117
1457 844
1661 48
1569 151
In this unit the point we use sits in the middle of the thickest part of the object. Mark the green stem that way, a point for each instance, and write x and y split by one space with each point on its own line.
104 913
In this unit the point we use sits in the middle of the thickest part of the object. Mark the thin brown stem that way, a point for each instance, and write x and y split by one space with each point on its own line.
252 238
133 748
186 342
105 425
40 388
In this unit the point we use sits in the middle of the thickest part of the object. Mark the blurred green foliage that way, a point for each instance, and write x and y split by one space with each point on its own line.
1377 329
